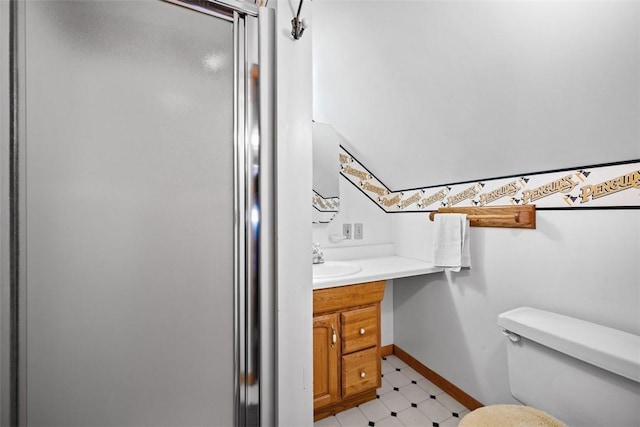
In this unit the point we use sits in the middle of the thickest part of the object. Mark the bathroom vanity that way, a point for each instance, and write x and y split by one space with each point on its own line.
346 346
347 322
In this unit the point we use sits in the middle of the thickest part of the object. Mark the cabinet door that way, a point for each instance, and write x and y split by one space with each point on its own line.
326 342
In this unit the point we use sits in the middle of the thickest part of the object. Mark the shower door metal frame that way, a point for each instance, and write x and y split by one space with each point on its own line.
255 391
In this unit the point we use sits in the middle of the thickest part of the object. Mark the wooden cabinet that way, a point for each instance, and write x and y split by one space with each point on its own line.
346 346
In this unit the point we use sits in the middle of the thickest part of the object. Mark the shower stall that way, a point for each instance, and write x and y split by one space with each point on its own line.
137 213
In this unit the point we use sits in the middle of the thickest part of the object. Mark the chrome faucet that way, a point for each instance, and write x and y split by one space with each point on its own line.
317 254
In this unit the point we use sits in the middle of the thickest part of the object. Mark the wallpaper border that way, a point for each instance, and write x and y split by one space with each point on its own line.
600 186
324 208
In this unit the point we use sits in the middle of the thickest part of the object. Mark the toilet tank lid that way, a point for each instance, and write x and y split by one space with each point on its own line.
605 347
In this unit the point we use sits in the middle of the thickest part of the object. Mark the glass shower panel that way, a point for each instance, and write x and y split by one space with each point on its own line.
129 215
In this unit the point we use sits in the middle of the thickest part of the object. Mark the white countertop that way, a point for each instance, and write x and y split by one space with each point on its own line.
379 268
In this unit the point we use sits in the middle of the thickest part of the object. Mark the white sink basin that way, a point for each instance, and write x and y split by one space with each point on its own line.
334 269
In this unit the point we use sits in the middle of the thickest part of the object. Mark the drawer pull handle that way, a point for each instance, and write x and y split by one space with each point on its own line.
334 336
362 331
363 374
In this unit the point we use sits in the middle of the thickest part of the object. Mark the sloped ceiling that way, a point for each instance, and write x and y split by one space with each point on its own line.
432 92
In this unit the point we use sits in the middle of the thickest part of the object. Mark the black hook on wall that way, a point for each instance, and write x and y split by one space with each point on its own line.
296 24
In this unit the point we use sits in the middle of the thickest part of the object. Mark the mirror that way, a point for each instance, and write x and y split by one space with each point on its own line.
326 201
473 90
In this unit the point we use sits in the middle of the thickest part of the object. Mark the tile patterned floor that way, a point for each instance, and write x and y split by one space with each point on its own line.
406 398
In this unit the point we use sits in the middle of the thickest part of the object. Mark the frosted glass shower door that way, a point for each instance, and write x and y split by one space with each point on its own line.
129 188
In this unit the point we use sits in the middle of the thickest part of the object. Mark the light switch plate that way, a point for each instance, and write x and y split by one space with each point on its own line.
346 230
357 231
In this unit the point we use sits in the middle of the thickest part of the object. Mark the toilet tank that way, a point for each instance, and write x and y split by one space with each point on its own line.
580 372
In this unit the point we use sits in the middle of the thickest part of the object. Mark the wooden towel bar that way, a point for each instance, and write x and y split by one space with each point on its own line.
495 216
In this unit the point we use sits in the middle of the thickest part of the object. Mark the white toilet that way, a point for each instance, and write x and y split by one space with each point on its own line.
579 372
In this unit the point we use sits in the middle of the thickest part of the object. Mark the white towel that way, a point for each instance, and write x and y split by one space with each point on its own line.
451 242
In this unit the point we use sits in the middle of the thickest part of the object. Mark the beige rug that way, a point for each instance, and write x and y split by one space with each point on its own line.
509 416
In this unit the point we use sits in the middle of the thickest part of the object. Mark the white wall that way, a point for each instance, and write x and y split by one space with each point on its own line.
294 293
386 316
430 92
582 264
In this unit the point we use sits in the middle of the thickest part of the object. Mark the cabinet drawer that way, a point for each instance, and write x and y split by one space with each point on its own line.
360 372
359 328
